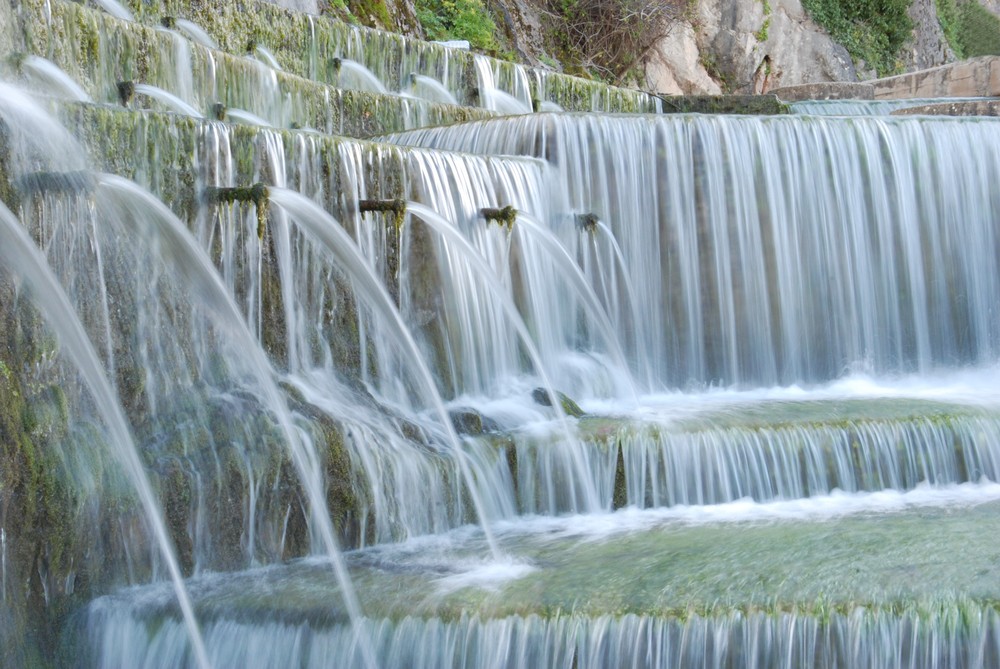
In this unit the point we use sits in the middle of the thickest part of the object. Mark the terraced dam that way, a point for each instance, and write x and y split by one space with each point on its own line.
324 347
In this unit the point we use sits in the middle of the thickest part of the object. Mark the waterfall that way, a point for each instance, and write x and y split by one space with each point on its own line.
22 257
754 640
492 96
356 75
51 77
597 388
781 250
171 101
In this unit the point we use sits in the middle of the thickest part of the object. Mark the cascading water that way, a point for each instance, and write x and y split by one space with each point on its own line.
47 75
22 257
168 99
781 330
783 250
356 75
432 89
267 57
115 9
319 224
196 33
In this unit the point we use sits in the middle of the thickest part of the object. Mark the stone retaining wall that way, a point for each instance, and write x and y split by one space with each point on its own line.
975 77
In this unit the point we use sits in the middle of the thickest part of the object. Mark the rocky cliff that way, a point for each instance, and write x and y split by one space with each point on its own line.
711 47
754 46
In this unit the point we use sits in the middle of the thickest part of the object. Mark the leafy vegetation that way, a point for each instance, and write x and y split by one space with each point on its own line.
873 31
458 20
371 12
979 31
761 35
947 14
971 30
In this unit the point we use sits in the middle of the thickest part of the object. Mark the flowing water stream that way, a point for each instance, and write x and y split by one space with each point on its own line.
721 391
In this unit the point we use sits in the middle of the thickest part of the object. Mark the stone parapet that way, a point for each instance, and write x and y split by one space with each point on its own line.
964 108
833 90
975 77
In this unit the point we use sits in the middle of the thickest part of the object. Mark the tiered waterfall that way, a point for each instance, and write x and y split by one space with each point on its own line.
297 370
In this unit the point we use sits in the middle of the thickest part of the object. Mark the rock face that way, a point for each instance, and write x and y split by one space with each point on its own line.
929 47
747 47
750 46
7 24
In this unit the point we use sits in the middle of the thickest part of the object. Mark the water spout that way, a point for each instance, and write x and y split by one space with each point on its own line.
482 269
397 207
570 271
502 102
355 75
194 267
49 76
587 222
502 216
243 116
324 228
171 101
256 194
431 89
21 255
195 32
126 89
115 9
267 57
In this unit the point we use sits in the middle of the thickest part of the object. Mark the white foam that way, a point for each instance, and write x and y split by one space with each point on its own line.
837 504
484 575
979 386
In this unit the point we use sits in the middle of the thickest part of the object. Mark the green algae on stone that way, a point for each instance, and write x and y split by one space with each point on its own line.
566 403
845 412
897 564
502 216
257 194
142 54
724 104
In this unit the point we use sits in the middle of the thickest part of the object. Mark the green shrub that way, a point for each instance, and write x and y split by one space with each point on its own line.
873 31
371 13
978 32
458 19
947 14
761 34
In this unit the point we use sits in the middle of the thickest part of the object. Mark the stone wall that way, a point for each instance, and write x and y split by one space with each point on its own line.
976 77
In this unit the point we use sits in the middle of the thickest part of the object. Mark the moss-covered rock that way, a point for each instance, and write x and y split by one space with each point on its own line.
569 407
724 104
43 552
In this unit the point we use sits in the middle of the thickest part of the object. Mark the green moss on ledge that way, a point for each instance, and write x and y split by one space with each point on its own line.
724 104
256 194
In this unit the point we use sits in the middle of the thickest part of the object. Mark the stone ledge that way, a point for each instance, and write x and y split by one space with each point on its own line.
979 108
723 104
975 77
837 90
